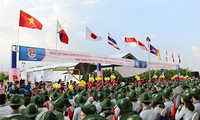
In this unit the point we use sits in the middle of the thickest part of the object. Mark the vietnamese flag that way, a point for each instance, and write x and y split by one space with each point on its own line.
26 20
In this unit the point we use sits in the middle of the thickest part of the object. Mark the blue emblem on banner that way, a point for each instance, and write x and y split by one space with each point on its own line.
31 53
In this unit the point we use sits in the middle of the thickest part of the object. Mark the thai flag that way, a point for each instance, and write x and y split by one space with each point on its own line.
112 42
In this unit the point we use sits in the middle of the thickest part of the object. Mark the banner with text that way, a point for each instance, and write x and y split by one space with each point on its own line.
49 55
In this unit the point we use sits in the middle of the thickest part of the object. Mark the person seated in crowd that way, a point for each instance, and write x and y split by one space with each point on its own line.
88 109
185 110
146 112
31 111
196 99
39 100
106 108
77 112
125 107
15 102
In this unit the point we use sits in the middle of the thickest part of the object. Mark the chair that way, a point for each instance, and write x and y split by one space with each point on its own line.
195 116
163 112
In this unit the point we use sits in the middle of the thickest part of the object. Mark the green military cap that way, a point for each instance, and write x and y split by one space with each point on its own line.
158 98
186 95
49 115
166 93
144 98
59 104
16 117
80 99
132 96
88 109
55 95
31 110
15 99
195 92
39 100
94 117
124 105
107 104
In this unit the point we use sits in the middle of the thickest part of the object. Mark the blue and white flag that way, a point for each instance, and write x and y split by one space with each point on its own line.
112 42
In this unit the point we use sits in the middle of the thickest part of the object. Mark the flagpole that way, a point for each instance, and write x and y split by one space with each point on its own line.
149 40
18 36
56 33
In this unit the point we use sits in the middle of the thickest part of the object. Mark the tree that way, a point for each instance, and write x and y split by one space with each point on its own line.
3 76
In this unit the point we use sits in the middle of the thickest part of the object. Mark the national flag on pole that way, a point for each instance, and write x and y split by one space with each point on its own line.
153 50
131 41
159 54
92 36
166 56
62 35
179 58
142 46
112 42
173 57
26 20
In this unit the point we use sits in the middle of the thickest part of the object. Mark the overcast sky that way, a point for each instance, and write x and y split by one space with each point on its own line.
172 25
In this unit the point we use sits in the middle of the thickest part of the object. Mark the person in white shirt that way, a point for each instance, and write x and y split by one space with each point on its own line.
77 112
196 99
185 111
146 112
15 102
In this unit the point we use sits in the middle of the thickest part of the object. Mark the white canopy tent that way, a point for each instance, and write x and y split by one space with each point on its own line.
127 71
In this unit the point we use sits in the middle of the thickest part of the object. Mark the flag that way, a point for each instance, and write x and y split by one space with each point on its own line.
26 20
153 50
141 45
112 42
62 35
159 54
91 36
179 58
173 57
166 56
131 41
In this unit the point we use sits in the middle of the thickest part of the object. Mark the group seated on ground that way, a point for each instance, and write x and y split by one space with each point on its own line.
149 101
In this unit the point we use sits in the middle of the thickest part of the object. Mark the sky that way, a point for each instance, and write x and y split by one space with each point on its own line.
172 25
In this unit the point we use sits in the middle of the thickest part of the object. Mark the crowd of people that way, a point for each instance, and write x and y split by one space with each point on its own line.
168 100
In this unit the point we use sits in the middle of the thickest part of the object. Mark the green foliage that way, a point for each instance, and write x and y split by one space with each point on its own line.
168 74
3 76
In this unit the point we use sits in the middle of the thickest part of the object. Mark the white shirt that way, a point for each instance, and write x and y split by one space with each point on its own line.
41 113
6 110
97 104
197 107
185 113
146 113
168 104
77 114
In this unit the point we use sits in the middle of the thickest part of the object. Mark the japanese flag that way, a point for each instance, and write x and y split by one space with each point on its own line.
92 36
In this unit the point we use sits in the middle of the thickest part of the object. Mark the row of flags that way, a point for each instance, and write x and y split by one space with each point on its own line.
29 21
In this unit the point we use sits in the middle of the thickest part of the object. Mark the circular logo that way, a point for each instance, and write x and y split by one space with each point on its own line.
31 52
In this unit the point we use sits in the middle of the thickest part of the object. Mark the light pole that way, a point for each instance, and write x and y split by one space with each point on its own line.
23 65
149 40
